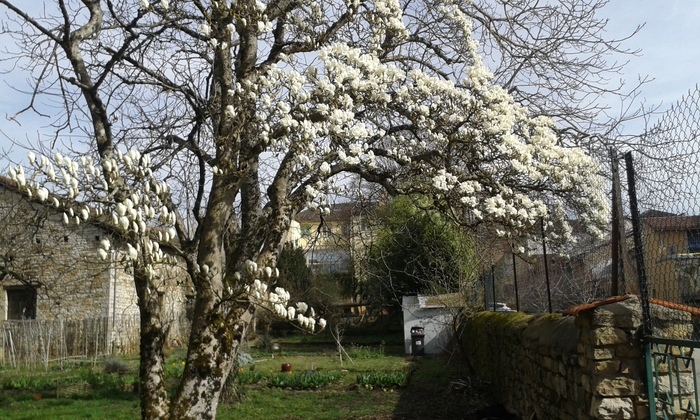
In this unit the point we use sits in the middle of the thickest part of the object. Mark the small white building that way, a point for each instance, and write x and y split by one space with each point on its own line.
435 314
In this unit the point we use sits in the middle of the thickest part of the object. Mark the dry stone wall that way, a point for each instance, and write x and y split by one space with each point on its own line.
588 366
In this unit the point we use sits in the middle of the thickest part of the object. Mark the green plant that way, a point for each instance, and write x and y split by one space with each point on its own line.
303 380
251 377
33 382
174 368
371 380
366 352
108 383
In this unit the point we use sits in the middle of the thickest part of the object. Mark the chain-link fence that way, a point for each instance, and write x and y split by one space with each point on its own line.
663 184
666 213
663 165
546 278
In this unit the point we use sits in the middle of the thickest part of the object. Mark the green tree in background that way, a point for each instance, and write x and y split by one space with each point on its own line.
295 275
416 250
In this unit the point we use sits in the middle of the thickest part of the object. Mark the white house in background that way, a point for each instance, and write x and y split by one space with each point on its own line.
435 314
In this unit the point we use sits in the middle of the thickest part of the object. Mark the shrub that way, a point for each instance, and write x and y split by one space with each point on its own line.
116 366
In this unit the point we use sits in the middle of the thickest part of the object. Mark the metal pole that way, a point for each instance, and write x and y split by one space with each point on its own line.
515 282
493 286
615 239
639 250
546 268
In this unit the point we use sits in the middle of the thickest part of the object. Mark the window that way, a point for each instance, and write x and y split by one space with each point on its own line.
21 302
325 231
693 241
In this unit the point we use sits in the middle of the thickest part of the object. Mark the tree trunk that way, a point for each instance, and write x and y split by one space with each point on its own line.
213 347
154 397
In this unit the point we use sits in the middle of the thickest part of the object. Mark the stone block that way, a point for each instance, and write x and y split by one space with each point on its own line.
616 387
626 314
601 353
630 368
608 335
676 331
607 367
583 320
612 408
586 383
661 314
583 362
678 384
630 349
641 408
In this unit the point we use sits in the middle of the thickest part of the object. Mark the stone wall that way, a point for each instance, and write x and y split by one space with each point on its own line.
587 366
60 262
72 282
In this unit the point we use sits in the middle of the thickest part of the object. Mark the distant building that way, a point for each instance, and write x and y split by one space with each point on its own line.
672 256
330 240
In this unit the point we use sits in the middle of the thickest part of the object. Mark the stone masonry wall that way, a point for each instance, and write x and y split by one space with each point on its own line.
72 282
588 366
59 261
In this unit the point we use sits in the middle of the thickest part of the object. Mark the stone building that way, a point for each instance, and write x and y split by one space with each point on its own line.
50 270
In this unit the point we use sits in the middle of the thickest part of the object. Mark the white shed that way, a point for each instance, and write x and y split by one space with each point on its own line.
435 314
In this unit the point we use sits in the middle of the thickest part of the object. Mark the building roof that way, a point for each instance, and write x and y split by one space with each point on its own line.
447 300
340 212
673 222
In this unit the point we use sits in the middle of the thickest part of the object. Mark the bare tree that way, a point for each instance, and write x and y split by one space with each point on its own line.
217 122
557 59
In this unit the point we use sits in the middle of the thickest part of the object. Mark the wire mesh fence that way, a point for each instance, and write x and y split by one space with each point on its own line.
549 279
664 169
665 203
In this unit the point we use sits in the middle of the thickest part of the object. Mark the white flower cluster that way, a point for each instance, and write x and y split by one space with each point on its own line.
135 210
279 300
386 19
467 141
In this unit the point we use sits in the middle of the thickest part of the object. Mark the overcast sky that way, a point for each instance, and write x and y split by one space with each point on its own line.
670 55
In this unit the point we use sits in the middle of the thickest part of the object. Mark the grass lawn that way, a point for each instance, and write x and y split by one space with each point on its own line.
379 383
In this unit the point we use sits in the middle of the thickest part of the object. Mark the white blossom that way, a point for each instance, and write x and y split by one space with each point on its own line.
205 29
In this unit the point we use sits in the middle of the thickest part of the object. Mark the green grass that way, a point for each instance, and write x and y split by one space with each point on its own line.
379 383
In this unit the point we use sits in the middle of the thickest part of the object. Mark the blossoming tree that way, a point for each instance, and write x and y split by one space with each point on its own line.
210 124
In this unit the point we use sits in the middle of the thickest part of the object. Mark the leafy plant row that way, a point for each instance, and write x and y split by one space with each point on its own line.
302 380
371 380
